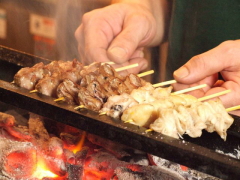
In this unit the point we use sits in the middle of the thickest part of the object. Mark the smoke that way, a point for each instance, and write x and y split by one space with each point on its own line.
67 15
68 18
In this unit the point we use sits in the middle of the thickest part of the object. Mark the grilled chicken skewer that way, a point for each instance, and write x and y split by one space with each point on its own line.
210 115
181 114
130 97
145 94
28 77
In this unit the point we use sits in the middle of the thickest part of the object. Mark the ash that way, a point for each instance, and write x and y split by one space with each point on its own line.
235 154
187 173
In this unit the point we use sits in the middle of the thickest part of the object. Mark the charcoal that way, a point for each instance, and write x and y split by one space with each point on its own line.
146 173
115 148
81 156
74 172
16 158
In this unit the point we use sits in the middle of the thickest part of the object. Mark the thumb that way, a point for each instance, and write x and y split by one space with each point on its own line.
202 66
135 34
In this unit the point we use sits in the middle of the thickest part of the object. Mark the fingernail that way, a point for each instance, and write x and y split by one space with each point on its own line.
118 52
181 72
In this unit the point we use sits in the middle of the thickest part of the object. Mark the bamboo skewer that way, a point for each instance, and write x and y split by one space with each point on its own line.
149 130
109 62
126 67
164 83
214 95
145 73
102 113
79 107
189 89
233 108
34 91
59 99
129 121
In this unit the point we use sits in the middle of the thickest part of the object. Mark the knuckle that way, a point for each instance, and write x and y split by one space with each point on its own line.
140 17
230 46
93 15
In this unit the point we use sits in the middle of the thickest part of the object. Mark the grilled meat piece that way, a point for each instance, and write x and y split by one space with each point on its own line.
94 67
133 81
87 79
74 74
28 77
108 71
96 90
90 102
115 105
140 114
48 85
210 115
69 90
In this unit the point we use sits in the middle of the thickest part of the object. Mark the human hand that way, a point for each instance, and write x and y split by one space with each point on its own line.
205 69
118 33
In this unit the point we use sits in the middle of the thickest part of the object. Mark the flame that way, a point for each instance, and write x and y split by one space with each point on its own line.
42 171
79 146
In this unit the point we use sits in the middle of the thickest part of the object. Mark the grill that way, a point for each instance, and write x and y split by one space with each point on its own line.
197 153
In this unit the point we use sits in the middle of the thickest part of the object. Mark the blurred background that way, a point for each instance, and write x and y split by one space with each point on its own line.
45 28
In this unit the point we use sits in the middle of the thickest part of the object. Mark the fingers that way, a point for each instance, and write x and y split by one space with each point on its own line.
231 99
115 33
93 40
197 68
136 33
222 58
210 81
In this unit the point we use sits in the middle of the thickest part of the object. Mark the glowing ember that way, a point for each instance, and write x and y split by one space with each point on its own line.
89 174
21 164
42 171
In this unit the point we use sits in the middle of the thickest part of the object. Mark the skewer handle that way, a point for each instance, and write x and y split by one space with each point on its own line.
102 113
109 62
34 91
214 95
59 99
126 67
233 108
189 89
146 73
164 83
79 107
